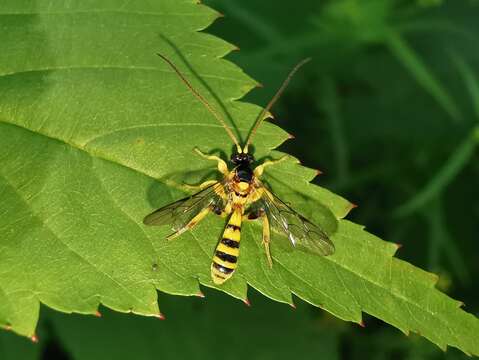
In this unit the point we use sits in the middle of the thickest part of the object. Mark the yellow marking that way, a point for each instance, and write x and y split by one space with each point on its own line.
235 219
228 250
218 277
227 264
239 200
229 233
219 280
232 234
256 194
243 186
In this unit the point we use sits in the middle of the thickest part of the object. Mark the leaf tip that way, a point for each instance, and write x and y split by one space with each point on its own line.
350 207
293 305
98 314
34 338
258 84
246 302
318 172
200 295
160 316
291 137
362 324
398 246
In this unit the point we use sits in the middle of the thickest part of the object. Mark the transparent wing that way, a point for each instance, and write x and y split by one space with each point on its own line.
299 230
181 212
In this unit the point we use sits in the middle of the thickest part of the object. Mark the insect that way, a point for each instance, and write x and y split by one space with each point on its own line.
239 196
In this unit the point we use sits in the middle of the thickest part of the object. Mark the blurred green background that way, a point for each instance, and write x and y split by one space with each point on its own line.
388 110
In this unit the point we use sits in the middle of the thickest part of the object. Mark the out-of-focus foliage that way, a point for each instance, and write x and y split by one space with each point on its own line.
392 111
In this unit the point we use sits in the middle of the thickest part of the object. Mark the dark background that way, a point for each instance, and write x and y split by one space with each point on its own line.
388 110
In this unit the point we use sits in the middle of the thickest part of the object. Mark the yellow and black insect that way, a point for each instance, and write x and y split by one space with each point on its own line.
240 195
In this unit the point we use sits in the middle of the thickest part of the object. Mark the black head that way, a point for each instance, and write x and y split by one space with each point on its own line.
242 159
243 163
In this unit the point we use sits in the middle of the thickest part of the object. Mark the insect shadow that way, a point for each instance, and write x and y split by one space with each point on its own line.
174 185
217 99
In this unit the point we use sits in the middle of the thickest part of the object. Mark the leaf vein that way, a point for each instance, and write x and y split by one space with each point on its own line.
72 250
100 180
315 289
100 11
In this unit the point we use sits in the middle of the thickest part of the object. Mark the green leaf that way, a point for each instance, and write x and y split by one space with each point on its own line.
95 131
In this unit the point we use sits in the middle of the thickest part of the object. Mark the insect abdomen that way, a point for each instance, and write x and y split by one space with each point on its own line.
225 259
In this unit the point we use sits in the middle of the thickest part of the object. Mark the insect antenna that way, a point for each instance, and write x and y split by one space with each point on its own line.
207 105
268 107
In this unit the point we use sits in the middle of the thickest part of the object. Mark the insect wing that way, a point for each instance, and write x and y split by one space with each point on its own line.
181 212
299 230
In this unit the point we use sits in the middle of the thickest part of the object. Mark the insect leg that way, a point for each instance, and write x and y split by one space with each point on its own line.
266 238
200 216
222 167
266 231
201 186
258 171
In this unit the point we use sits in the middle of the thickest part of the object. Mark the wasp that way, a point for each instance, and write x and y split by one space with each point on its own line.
239 196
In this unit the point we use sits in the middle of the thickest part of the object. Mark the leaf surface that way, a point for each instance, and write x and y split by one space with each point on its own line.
96 131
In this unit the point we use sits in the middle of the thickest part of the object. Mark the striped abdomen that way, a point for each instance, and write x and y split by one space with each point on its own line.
226 255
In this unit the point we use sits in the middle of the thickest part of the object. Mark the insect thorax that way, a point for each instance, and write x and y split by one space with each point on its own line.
244 174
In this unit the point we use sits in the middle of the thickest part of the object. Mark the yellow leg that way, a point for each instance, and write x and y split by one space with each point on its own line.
266 232
222 167
191 224
201 186
266 239
258 171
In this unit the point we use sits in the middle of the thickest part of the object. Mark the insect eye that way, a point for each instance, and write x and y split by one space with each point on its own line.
250 158
235 158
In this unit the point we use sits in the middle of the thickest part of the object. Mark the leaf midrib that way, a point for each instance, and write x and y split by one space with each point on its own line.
329 258
112 67
99 11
